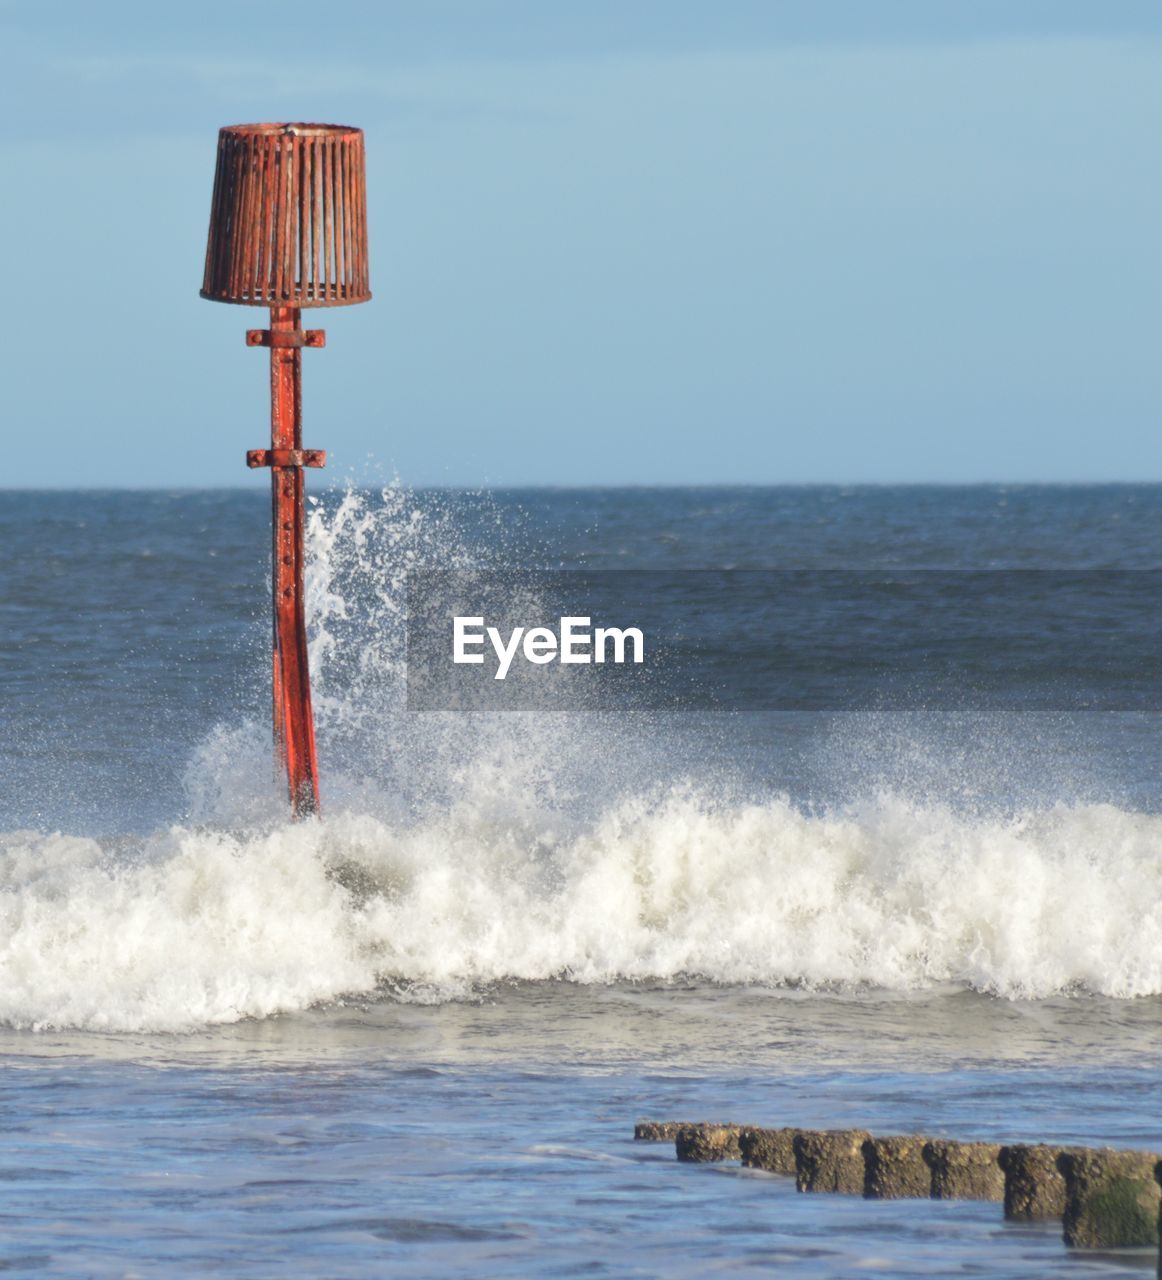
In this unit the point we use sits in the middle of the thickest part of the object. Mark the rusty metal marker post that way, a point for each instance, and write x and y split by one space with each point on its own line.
288 229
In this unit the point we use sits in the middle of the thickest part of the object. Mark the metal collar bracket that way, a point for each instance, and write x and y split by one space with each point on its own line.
286 457
286 338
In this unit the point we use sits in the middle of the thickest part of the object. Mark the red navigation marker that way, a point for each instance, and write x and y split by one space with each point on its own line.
288 229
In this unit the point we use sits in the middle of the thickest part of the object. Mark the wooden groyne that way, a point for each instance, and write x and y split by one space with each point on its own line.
1105 1199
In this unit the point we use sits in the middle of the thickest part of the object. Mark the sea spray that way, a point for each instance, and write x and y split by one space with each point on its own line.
566 758
461 851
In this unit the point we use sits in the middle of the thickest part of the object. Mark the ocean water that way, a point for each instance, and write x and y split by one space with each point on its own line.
412 1038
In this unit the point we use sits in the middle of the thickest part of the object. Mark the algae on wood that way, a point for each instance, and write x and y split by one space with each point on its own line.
1111 1198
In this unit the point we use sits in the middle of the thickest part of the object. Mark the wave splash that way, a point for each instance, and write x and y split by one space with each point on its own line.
209 927
460 851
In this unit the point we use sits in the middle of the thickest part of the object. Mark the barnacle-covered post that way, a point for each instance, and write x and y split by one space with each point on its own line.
288 229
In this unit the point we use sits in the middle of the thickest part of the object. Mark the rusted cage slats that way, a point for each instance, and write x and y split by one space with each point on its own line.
288 217
364 282
348 215
279 245
243 263
290 223
329 209
337 180
316 206
303 211
267 191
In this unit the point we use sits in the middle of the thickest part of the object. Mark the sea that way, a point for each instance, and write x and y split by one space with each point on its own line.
411 1037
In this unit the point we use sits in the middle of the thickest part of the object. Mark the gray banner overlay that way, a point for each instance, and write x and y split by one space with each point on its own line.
796 640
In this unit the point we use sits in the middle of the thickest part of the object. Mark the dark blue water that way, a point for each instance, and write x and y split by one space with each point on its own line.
127 610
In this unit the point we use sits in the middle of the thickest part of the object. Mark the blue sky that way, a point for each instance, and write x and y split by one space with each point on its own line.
629 243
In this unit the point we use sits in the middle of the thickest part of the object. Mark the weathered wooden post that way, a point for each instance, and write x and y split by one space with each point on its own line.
288 229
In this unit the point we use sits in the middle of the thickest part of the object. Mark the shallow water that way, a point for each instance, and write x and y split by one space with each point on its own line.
495 1137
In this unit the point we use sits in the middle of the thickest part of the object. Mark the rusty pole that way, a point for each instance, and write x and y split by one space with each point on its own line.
294 727
288 229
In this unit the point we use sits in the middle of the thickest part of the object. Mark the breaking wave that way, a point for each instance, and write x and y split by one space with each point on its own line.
206 927
460 852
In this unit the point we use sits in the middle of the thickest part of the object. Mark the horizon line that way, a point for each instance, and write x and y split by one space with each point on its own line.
626 486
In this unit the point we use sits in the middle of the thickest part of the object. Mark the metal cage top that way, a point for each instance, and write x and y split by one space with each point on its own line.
288 219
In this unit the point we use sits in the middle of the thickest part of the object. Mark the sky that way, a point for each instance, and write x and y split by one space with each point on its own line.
658 242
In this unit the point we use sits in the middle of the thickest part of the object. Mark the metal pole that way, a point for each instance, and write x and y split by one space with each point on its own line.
294 727
288 229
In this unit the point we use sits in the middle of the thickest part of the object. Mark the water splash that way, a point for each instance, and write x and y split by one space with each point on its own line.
208 927
460 851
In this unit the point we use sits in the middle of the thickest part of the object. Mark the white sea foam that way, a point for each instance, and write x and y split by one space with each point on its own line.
204 927
459 852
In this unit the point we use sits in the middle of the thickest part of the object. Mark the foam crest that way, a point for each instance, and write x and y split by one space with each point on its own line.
198 928
202 927
463 851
